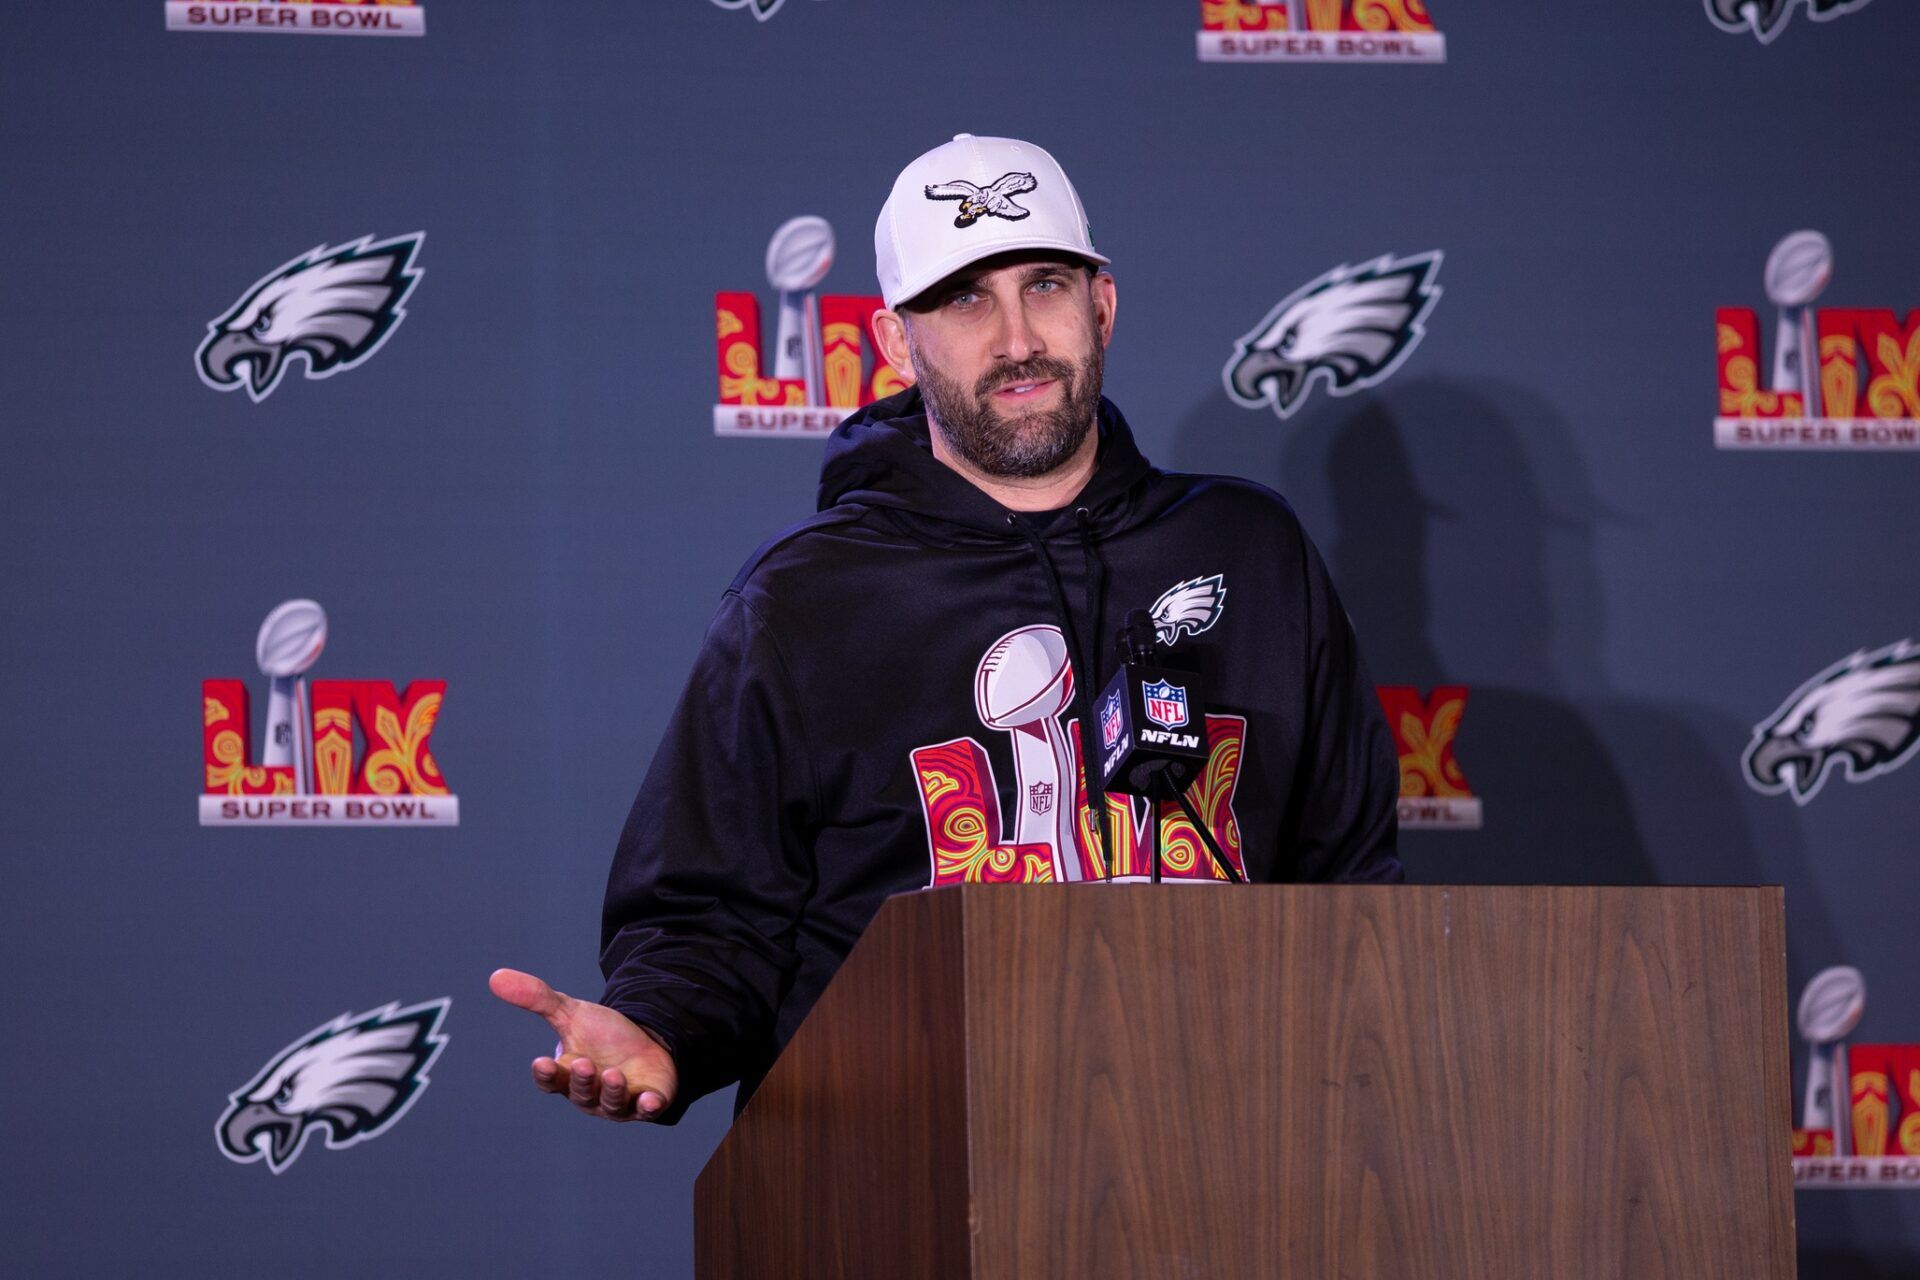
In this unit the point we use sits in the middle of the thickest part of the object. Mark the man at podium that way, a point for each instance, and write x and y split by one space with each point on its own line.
900 691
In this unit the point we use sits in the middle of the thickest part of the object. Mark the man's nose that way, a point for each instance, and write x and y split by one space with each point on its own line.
1019 341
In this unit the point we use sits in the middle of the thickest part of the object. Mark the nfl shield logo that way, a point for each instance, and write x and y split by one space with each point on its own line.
1110 722
1166 704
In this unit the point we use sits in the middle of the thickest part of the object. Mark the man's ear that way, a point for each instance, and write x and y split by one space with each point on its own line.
890 336
1105 303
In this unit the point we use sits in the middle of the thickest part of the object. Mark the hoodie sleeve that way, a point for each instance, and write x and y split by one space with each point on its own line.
1345 812
714 865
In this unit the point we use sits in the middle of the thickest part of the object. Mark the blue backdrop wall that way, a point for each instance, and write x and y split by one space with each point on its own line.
520 492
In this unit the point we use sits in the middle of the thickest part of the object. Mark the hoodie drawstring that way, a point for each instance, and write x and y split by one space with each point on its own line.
1086 661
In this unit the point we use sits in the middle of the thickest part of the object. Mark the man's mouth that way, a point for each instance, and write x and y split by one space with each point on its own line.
1023 390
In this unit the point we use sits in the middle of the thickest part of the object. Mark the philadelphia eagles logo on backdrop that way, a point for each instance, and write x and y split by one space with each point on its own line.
1349 329
332 307
1188 608
1860 716
762 9
1768 18
348 1080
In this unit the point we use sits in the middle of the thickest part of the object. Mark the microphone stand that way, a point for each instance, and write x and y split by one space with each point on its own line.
1162 782
1162 776
1227 868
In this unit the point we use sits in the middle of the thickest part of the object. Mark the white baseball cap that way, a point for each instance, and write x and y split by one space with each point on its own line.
969 199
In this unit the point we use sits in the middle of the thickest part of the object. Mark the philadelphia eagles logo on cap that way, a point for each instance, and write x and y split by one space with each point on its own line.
1768 18
1348 329
1860 716
332 307
350 1079
992 201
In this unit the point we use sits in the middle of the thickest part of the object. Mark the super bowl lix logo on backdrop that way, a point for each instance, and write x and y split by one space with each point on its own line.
1860 1115
1022 687
1433 788
1768 18
821 369
1319 31
329 308
308 774
1348 330
348 1080
300 17
1843 377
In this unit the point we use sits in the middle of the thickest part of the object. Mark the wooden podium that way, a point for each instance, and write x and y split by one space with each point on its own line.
1113 1081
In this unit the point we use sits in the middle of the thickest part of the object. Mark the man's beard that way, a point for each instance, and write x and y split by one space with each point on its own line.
1029 444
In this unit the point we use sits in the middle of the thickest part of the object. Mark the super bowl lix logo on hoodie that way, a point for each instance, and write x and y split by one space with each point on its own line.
1022 687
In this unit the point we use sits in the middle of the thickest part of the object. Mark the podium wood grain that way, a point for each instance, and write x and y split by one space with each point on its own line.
1278 1081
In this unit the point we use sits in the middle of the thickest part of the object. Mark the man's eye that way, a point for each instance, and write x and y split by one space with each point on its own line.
1046 286
963 299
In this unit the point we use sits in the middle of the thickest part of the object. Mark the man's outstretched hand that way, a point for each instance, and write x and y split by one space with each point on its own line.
606 1064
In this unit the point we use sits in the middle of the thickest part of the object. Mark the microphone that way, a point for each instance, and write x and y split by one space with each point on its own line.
1153 735
1152 718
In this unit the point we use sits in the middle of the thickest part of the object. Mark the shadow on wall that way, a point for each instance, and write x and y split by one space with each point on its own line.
1466 572
1463 544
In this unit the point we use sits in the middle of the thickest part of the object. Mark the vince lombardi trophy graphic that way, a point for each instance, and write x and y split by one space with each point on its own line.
1830 1009
1023 683
798 259
1797 270
290 642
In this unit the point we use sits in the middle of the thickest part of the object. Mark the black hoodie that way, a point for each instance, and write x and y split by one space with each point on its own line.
887 700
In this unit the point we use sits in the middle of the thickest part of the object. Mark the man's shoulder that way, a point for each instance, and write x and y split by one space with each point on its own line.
803 551
1226 498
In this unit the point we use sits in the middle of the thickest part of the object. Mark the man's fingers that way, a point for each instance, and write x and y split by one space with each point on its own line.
607 1094
583 1084
549 1076
615 1103
524 991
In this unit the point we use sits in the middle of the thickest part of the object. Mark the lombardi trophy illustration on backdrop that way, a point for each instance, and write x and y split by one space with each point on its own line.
289 644
1830 1008
1798 270
798 259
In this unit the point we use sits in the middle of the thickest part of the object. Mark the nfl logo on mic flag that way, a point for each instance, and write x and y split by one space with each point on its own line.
1166 704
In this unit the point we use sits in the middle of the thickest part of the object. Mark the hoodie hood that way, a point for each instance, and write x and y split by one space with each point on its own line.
882 457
